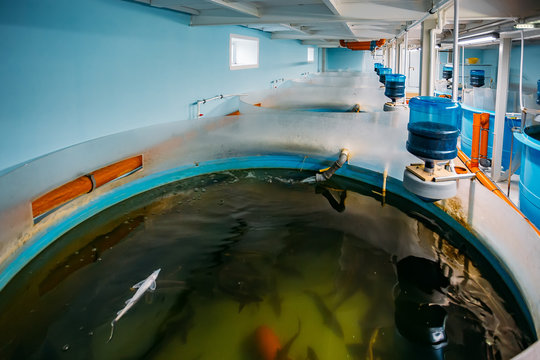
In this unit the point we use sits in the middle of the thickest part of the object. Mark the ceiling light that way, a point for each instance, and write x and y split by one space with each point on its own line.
524 26
479 39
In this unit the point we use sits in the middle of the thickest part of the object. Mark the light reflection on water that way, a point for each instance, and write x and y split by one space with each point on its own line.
239 250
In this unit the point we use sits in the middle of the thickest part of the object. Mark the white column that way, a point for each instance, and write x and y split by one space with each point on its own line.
455 62
393 56
426 62
501 99
406 62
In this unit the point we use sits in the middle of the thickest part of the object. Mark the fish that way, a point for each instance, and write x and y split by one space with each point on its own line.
243 282
329 318
142 287
268 345
311 355
273 298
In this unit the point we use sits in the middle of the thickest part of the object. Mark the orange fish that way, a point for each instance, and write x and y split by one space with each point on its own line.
269 346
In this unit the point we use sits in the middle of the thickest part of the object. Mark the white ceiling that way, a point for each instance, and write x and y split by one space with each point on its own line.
325 22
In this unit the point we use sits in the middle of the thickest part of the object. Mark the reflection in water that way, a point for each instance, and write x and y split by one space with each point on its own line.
256 263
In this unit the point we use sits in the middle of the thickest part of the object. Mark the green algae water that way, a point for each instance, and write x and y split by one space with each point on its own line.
329 270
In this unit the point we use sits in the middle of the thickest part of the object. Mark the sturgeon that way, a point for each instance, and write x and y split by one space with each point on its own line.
143 286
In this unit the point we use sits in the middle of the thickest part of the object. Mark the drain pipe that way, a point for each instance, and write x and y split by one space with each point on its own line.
455 75
327 174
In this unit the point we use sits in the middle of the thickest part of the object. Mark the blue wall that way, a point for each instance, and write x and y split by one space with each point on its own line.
531 67
345 59
74 70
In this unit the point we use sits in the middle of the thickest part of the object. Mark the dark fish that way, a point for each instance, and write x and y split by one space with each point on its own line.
329 318
242 282
274 299
284 351
311 354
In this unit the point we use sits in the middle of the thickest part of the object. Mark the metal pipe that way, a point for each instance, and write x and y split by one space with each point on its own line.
439 6
406 70
462 72
486 26
521 77
501 98
454 177
204 101
455 61
328 173
510 164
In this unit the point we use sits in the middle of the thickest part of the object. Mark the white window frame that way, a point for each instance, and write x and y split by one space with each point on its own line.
233 66
312 50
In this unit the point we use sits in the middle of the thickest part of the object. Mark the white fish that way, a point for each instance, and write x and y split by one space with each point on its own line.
147 284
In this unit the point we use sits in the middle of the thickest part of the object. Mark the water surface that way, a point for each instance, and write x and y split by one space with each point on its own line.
243 249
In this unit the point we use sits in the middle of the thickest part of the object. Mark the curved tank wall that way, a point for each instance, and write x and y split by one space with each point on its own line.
529 184
289 140
336 92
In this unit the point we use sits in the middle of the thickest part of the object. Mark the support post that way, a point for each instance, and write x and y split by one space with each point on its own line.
393 58
455 60
406 68
428 57
323 59
501 98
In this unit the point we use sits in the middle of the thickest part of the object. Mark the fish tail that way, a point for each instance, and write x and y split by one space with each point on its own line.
112 331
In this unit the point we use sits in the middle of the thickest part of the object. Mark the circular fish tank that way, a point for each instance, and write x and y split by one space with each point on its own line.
259 261
529 189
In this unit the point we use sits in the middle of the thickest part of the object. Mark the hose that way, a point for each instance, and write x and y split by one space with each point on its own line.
328 173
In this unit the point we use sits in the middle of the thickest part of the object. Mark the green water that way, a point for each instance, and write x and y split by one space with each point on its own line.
243 249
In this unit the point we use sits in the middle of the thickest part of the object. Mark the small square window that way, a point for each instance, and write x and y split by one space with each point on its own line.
310 54
243 52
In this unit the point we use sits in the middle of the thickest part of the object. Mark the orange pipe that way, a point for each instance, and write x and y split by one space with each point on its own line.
484 180
83 185
361 45
484 122
475 149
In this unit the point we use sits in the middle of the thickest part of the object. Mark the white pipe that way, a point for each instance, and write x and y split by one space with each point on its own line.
520 78
455 61
406 70
433 60
501 98
430 12
204 101
462 71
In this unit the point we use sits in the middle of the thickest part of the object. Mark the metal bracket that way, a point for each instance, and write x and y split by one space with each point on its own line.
93 180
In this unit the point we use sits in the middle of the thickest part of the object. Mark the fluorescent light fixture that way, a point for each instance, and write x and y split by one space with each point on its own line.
524 26
478 40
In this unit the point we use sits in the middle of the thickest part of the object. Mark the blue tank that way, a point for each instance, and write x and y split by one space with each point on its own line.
382 74
477 78
447 72
433 127
377 66
394 86
529 186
